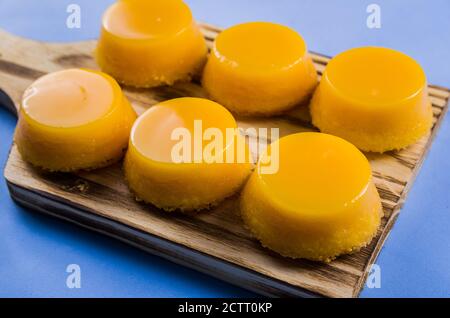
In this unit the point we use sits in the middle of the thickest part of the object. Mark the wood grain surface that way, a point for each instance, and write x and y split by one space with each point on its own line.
218 234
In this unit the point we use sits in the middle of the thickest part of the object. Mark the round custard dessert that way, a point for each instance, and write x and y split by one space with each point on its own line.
147 43
73 119
185 154
320 203
259 68
374 97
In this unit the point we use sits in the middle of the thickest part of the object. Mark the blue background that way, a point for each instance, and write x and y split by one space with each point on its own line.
35 250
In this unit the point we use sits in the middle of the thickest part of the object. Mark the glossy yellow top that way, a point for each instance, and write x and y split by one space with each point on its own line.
374 97
259 68
321 203
68 98
318 174
148 43
375 76
195 176
72 120
144 19
260 46
152 132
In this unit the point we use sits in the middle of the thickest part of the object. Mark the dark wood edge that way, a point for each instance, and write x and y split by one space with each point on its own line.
177 253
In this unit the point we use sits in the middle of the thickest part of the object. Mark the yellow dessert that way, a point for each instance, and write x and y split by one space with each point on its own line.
374 97
259 68
320 203
148 43
73 119
173 160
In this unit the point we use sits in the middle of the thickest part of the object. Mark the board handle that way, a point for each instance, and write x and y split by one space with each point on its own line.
23 60
16 63
7 103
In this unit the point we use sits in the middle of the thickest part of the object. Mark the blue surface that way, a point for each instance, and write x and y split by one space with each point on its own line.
35 250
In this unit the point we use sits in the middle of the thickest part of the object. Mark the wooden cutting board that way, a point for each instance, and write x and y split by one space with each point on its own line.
215 241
